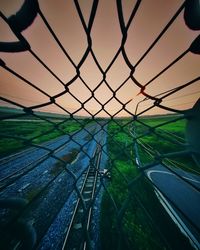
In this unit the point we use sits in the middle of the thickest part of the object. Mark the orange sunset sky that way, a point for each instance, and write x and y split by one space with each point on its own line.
150 19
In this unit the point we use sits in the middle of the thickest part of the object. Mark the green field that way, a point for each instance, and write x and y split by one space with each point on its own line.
131 216
165 139
17 135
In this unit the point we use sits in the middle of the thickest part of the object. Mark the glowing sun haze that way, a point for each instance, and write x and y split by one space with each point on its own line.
150 19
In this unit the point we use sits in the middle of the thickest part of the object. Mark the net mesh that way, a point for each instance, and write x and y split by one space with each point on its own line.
93 182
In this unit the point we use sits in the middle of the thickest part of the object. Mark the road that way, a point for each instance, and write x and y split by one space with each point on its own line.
182 198
47 186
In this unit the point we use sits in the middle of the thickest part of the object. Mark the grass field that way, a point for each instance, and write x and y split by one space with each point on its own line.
136 212
168 138
17 135
131 215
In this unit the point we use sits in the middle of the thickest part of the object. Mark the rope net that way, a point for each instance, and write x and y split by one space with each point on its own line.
99 179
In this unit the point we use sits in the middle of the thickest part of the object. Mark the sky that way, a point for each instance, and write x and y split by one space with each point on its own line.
150 19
